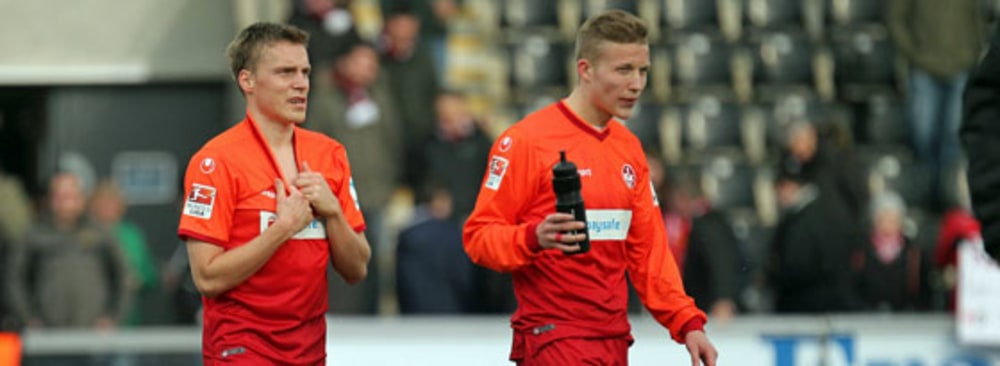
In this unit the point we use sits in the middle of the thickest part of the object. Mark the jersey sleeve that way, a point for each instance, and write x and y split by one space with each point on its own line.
209 199
652 268
495 235
348 194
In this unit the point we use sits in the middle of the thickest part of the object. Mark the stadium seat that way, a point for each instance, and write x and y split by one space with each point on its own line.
591 7
537 62
645 124
786 109
704 125
881 121
698 63
782 60
893 169
529 13
865 61
690 14
852 12
771 14
727 181
710 123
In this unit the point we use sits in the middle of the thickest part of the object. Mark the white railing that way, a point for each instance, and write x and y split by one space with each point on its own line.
911 340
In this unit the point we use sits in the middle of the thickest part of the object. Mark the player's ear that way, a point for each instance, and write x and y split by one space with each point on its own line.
246 80
584 69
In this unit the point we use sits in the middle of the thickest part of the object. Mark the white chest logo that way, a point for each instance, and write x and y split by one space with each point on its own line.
315 230
628 175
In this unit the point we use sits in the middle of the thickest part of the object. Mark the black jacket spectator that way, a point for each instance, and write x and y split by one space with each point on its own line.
981 139
715 266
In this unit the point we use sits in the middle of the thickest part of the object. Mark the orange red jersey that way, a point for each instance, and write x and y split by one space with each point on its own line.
582 295
277 314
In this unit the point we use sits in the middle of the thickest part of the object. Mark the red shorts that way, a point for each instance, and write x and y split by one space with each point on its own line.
579 351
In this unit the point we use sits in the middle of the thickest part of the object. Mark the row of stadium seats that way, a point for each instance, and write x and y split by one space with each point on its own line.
734 184
694 14
854 63
708 123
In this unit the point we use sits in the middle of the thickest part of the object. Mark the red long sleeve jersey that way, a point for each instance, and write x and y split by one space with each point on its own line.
582 295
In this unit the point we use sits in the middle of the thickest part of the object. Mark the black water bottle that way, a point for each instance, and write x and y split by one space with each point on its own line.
566 184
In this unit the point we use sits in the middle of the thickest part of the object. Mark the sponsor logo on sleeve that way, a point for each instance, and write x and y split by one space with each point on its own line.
498 168
200 202
207 165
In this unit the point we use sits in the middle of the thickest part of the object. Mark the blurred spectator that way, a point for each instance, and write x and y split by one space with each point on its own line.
17 213
892 271
942 41
413 81
433 274
981 140
107 209
456 154
434 16
814 153
179 286
330 25
809 266
68 272
957 225
706 248
15 219
351 102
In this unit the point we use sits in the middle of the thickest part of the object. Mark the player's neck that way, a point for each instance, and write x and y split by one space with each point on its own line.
276 133
580 104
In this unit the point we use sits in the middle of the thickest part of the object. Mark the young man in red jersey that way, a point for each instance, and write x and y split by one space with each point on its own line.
572 308
268 205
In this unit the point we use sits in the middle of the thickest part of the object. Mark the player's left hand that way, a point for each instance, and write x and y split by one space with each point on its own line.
701 349
315 189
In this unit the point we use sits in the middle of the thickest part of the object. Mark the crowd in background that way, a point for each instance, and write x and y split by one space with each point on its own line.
841 239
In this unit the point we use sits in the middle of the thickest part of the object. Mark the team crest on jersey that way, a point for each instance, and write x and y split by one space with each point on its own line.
498 168
505 143
207 165
628 175
200 202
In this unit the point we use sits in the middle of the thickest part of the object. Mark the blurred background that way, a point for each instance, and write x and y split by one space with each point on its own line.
805 153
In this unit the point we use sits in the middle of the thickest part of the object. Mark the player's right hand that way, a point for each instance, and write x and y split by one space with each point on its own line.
554 232
293 208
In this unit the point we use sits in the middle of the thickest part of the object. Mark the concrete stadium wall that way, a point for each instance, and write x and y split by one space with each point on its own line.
113 41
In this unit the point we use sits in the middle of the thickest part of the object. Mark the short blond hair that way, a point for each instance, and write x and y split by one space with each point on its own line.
615 26
244 51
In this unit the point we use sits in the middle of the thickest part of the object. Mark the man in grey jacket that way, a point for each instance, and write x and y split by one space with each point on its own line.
67 272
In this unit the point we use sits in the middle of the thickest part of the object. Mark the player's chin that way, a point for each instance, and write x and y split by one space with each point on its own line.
296 117
623 112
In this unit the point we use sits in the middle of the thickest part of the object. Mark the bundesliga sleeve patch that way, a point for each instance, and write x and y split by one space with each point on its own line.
498 168
200 202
